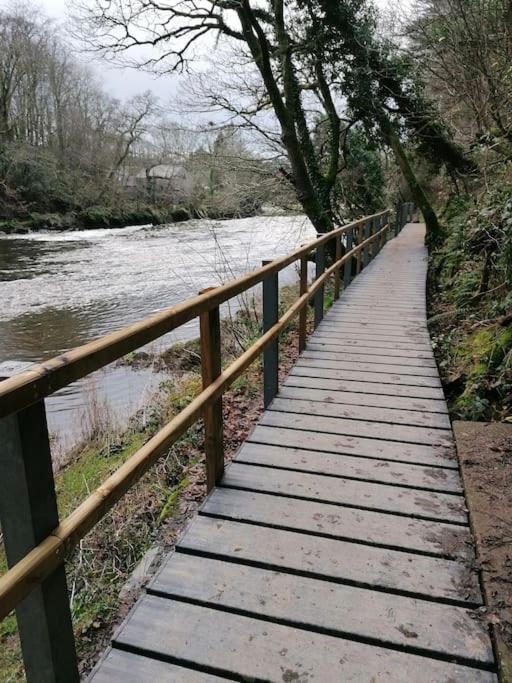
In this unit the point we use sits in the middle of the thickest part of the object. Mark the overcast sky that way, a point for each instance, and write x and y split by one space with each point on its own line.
124 83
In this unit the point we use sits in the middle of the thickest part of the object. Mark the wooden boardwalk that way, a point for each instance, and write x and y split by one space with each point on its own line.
337 547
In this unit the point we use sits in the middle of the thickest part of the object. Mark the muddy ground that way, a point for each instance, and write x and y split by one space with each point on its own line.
485 453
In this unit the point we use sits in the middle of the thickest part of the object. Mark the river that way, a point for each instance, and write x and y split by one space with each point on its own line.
61 290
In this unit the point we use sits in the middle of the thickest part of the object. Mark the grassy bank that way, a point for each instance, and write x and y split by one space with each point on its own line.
470 303
157 508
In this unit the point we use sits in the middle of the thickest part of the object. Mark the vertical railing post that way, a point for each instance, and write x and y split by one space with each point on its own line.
211 367
347 267
303 313
381 241
271 353
359 255
28 514
337 274
366 233
397 219
319 296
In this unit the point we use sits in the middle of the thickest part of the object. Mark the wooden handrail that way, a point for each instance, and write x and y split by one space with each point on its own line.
40 562
48 377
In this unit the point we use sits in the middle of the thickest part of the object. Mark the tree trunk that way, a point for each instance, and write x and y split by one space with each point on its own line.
432 224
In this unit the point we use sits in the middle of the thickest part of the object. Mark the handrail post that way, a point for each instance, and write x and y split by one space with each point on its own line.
397 219
366 235
303 314
28 513
319 295
347 266
211 367
271 353
359 255
337 274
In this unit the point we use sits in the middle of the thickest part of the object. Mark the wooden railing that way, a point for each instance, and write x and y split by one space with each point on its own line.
36 541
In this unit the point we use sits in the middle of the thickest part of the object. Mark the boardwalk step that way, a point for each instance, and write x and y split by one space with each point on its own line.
345 611
361 494
221 642
379 409
370 397
380 440
277 435
127 667
365 526
349 466
344 355
353 422
339 362
366 373
404 573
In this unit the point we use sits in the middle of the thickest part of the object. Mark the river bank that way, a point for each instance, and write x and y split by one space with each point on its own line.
158 508
96 217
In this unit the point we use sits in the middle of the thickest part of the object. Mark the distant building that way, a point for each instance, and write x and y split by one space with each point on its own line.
167 179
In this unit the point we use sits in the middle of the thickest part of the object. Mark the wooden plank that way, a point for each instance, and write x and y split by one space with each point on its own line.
389 620
211 367
446 507
357 564
353 467
367 342
418 394
303 414
361 396
311 369
349 524
356 406
365 317
350 445
253 649
315 359
369 352
126 667
346 355
406 333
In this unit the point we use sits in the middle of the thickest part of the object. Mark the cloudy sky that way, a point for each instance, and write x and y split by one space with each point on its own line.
124 83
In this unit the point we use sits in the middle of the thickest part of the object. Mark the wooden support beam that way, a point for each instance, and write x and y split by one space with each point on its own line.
28 514
211 367
271 353
337 276
303 315
319 296
347 267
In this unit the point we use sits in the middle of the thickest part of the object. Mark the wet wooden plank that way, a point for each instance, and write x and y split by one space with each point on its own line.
318 359
311 369
358 564
311 418
349 445
419 503
349 524
420 397
365 469
369 318
368 352
135 668
366 331
249 648
379 409
390 620
353 339
346 355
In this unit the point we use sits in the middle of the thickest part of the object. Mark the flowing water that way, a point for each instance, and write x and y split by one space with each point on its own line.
60 290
